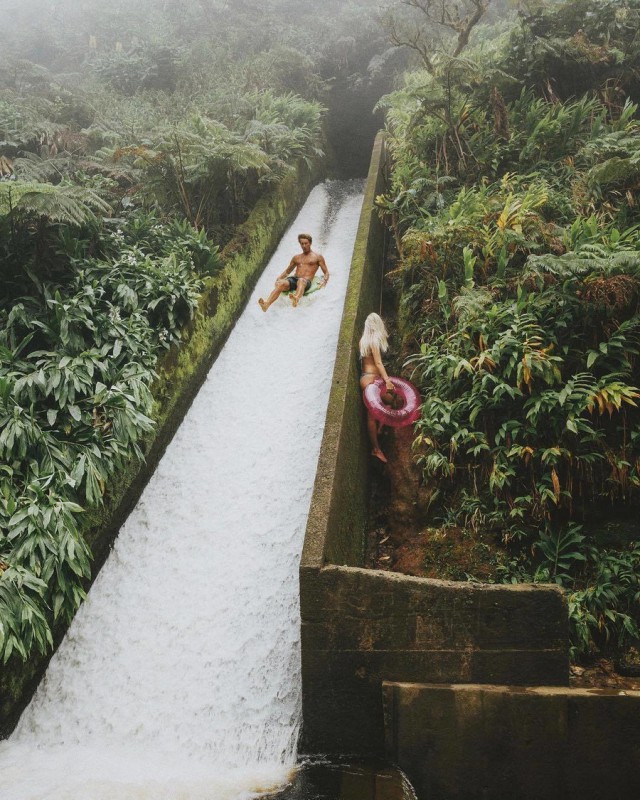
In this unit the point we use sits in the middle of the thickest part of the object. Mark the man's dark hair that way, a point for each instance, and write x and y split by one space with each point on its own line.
305 236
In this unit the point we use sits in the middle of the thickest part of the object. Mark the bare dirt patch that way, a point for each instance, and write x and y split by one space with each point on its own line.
399 540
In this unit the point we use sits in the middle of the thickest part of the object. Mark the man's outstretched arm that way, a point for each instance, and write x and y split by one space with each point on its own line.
325 270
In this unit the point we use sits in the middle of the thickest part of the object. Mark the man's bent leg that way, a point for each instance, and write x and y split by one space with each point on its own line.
300 290
281 286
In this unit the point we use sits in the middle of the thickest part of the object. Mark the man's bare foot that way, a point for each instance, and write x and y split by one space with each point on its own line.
263 304
379 454
294 300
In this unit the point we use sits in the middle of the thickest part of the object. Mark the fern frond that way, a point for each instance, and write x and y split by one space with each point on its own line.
34 169
589 260
74 205
471 304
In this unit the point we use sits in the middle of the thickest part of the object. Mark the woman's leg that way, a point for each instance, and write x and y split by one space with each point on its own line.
372 424
372 428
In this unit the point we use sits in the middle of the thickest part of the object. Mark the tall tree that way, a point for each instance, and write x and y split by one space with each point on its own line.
432 26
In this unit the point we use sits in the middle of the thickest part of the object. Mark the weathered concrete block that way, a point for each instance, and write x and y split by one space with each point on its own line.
360 628
497 742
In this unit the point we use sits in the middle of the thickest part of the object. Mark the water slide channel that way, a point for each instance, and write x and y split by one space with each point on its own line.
179 678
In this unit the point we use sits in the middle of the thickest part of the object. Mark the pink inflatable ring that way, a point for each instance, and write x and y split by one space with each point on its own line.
406 413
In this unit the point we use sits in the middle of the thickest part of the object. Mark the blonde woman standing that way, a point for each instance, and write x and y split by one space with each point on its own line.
373 343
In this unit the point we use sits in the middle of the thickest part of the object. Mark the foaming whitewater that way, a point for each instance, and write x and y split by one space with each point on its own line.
180 676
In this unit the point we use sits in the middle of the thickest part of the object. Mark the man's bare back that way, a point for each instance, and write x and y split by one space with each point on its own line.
304 266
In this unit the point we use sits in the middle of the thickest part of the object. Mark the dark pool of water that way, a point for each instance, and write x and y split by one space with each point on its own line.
329 781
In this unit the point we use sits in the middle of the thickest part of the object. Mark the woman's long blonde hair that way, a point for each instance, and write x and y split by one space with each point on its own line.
375 335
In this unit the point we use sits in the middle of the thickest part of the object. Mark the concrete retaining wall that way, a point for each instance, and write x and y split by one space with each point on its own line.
342 479
180 376
497 742
360 627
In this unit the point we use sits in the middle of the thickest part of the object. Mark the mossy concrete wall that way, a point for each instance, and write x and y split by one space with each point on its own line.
180 375
361 627
497 742
342 478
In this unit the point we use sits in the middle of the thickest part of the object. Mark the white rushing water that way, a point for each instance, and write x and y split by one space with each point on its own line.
180 677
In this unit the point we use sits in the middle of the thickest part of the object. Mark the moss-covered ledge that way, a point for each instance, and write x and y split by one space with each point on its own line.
180 375
342 478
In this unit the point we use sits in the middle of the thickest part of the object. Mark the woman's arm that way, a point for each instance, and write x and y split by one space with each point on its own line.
377 360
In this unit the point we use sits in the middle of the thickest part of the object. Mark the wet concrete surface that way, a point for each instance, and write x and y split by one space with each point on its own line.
322 780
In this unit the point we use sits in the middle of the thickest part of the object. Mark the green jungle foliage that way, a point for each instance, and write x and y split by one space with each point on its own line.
514 209
84 315
134 139
76 367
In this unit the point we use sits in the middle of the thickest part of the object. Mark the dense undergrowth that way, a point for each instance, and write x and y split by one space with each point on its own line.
514 210
75 377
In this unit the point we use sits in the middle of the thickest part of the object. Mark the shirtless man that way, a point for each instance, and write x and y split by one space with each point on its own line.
306 265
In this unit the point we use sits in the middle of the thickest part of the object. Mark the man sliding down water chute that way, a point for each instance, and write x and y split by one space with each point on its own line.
305 265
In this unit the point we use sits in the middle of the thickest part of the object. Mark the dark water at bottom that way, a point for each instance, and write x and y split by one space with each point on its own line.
329 781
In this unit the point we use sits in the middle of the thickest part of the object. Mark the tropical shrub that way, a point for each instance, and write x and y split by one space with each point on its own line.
518 238
76 368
